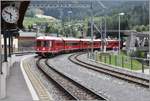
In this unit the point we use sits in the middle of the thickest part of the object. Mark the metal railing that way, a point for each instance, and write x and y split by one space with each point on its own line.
122 61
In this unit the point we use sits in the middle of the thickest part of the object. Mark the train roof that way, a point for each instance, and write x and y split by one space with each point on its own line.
85 39
48 38
70 39
97 40
112 40
90 40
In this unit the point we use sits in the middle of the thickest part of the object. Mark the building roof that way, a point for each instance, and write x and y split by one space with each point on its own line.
29 34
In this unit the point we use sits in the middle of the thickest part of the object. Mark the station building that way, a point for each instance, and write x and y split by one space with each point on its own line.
24 42
15 44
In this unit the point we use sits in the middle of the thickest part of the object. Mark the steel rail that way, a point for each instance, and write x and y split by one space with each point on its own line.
78 86
71 97
86 89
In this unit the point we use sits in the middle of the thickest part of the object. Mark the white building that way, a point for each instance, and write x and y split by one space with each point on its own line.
15 43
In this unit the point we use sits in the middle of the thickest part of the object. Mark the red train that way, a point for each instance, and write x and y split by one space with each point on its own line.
47 45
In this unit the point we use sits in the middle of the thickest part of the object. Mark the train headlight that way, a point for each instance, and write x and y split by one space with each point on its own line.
43 49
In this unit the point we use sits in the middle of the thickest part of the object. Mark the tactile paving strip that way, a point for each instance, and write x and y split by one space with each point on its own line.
37 84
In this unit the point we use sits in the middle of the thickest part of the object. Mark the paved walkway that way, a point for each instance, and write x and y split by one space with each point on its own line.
146 71
17 89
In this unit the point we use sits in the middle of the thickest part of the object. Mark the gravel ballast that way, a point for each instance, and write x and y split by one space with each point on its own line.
114 89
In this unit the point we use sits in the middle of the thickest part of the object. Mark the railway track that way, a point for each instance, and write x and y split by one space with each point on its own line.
72 89
123 76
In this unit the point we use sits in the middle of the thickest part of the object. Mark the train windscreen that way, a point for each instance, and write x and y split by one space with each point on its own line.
42 43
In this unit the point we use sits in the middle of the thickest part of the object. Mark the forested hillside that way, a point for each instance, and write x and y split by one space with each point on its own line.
136 16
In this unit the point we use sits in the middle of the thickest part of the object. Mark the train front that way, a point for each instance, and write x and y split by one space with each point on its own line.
42 45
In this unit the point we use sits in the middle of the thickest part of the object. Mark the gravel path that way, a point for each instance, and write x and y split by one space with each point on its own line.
114 89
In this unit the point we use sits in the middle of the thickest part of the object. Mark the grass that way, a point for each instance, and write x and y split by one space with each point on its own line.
119 60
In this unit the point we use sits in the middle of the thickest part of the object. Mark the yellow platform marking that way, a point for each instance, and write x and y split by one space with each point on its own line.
37 84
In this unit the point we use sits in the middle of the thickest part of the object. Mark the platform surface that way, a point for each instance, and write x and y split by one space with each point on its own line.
17 89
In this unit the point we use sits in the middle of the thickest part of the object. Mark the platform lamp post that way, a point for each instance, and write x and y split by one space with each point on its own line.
60 17
101 35
120 14
105 35
92 23
69 16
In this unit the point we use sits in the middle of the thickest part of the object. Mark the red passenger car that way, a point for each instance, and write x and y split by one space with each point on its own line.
71 44
97 43
112 43
49 45
85 44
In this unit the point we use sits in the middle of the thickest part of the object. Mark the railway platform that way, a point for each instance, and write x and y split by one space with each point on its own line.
146 71
137 73
22 84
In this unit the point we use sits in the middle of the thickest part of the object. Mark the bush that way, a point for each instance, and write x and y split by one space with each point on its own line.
139 54
141 28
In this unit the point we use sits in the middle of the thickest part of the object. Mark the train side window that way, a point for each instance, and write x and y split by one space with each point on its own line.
50 43
46 43
58 43
72 44
38 43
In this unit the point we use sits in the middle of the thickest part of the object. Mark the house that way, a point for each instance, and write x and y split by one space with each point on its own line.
26 40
